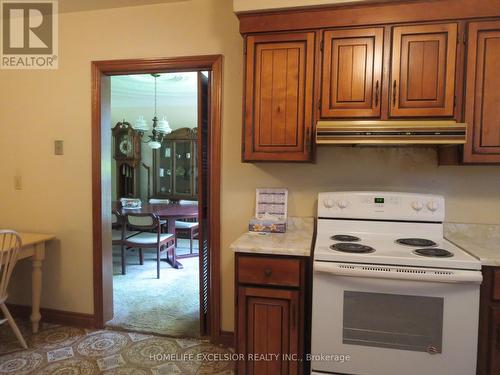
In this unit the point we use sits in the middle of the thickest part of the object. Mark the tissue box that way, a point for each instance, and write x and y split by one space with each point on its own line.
258 225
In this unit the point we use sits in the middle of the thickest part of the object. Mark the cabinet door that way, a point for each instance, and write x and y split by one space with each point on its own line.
268 323
423 70
279 97
163 172
482 98
352 73
495 341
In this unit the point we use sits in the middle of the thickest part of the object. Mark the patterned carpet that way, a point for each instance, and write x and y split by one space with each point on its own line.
167 306
61 350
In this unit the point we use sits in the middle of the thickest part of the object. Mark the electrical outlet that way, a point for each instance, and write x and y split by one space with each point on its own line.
18 183
58 148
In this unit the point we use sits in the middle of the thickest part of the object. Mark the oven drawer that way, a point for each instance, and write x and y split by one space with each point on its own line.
268 271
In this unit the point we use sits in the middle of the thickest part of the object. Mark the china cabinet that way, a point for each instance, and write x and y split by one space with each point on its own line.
175 173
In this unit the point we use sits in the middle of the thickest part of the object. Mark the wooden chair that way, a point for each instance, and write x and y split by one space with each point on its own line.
10 245
117 237
163 222
150 236
187 228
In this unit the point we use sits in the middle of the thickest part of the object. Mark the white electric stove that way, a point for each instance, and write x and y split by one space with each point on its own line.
390 295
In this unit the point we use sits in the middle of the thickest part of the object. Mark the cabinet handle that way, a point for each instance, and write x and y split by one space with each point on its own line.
294 312
498 338
268 272
376 94
394 90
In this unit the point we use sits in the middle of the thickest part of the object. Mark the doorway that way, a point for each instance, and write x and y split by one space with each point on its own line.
163 177
208 176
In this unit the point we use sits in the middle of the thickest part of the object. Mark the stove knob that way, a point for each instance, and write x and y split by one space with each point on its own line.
328 203
432 206
417 205
342 204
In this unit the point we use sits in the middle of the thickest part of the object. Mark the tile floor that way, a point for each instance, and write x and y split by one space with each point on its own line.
61 350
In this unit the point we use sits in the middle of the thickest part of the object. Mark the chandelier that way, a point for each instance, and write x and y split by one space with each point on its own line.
159 129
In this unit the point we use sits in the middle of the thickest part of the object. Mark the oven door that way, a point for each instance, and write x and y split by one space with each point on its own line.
378 320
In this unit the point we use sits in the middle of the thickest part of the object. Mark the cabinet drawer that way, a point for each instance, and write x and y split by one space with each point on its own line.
496 285
269 271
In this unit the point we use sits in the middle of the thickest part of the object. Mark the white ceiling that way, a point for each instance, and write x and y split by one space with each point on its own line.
138 90
66 6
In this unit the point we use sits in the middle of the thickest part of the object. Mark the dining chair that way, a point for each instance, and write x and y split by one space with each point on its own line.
10 245
163 222
118 235
187 228
149 236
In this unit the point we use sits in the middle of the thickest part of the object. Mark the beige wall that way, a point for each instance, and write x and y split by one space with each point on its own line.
252 5
37 107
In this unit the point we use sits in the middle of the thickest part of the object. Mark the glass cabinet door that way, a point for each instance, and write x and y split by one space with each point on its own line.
164 172
183 168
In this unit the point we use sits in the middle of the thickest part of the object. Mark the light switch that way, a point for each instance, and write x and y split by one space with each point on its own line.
18 183
58 148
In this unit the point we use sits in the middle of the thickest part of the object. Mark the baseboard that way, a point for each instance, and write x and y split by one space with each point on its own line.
54 316
226 338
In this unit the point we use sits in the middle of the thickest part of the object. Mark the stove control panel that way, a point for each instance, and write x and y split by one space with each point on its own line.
381 206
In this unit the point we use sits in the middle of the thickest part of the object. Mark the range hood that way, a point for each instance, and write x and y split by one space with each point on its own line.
391 132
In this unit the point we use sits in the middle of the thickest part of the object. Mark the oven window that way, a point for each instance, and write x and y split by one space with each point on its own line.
393 321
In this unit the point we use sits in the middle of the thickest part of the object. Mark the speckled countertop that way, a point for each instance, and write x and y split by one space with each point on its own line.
296 241
480 240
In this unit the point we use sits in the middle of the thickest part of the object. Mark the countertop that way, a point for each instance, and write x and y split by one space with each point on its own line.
296 241
480 240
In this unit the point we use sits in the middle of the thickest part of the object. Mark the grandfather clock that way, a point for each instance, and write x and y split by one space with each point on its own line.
127 153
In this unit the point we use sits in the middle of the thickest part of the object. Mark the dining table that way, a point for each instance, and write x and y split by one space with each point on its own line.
167 211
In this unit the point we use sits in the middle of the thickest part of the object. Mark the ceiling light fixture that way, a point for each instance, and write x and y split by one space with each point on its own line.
160 127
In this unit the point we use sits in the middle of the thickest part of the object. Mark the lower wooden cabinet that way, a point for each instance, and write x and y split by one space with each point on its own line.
488 362
271 318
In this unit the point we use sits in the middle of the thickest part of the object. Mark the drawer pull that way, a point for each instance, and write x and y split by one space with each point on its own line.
394 91
498 338
268 272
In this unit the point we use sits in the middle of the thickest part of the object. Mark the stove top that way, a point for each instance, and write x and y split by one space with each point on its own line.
434 252
416 242
377 242
349 247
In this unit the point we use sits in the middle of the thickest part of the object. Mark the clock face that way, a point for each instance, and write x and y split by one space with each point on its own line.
125 146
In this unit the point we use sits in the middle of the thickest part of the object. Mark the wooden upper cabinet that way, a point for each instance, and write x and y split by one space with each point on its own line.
278 109
352 73
482 97
423 70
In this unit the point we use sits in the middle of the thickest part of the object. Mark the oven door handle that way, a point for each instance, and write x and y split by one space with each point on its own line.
399 273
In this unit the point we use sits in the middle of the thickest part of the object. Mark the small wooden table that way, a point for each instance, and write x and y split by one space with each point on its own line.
171 212
33 246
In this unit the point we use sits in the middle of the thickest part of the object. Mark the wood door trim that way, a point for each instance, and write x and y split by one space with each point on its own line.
212 63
